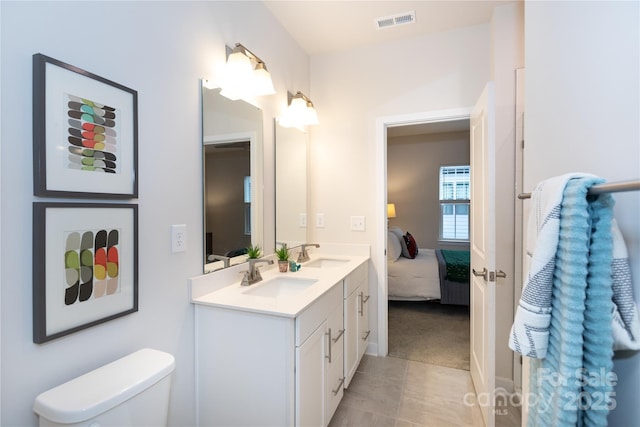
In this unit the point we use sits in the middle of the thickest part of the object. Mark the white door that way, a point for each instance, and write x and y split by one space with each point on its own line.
483 291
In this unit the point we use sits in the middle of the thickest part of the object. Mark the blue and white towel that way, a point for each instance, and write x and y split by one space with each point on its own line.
626 325
580 332
530 331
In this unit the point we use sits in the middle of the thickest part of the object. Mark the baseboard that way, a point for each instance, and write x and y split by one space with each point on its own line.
372 350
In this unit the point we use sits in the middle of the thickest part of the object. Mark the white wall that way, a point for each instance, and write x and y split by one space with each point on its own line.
413 181
351 90
161 49
581 112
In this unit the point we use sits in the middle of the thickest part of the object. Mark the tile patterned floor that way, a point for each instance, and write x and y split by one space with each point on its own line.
393 392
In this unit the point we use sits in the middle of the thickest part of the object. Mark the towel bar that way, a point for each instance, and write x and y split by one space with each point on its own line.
612 187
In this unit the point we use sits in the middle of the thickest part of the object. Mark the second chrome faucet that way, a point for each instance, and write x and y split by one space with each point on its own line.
253 275
303 256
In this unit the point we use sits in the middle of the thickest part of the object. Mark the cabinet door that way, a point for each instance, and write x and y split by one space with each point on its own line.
335 362
351 316
311 378
363 320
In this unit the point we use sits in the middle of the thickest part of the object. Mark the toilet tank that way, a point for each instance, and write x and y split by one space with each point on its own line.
131 391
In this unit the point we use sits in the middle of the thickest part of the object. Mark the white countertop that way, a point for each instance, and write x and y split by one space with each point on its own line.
210 289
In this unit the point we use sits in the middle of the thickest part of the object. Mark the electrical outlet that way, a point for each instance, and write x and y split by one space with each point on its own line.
178 238
319 220
302 220
357 223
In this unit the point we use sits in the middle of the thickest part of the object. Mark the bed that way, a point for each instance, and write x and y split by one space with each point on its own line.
453 272
433 274
414 279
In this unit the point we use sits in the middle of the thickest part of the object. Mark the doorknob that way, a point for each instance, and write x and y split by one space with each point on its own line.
484 273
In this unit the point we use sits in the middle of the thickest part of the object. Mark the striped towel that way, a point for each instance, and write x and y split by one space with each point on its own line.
626 326
530 331
580 346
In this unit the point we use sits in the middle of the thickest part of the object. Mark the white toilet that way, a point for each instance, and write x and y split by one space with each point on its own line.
132 391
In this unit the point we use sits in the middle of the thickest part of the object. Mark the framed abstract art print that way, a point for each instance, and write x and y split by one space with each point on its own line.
85 133
85 266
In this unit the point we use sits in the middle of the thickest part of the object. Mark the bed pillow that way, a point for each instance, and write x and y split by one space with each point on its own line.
394 249
410 245
397 231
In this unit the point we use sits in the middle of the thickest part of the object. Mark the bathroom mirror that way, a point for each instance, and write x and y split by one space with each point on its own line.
291 185
232 169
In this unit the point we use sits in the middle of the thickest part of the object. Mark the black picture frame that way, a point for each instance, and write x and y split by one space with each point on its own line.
85 266
85 133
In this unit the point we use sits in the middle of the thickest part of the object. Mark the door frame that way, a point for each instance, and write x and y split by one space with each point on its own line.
380 254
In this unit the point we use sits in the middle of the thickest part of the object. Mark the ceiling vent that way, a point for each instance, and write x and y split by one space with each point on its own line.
395 20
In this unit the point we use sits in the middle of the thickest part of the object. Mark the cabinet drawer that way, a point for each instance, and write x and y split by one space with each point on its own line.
355 278
309 320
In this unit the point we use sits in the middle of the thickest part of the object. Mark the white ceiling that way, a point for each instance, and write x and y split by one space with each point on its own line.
322 26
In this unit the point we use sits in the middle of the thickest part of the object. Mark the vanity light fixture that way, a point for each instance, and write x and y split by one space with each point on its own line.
246 75
300 111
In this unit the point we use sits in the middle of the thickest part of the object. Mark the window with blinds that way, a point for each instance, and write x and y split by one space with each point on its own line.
454 190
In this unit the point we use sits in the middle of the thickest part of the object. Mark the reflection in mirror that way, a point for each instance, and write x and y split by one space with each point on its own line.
291 185
232 167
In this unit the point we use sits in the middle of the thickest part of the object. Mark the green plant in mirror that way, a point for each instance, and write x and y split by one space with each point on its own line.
282 253
254 252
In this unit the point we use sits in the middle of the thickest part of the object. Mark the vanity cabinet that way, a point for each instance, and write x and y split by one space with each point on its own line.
356 315
264 369
319 359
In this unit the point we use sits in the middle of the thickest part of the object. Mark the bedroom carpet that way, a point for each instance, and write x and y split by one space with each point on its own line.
429 332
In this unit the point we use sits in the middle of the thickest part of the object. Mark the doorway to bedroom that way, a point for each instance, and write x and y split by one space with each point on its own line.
427 182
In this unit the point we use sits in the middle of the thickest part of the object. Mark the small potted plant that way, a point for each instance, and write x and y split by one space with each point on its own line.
254 252
283 258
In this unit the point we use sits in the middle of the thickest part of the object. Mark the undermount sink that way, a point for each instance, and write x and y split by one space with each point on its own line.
325 262
280 287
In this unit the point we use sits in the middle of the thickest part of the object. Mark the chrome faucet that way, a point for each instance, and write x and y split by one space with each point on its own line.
253 275
303 255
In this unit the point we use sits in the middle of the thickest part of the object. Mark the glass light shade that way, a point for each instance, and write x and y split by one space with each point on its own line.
311 117
238 71
297 109
295 114
391 210
262 84
285 121
239 66
299 113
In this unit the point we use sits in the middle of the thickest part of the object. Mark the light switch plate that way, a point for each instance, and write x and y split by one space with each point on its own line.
302 220
357 223
178 238
319 220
